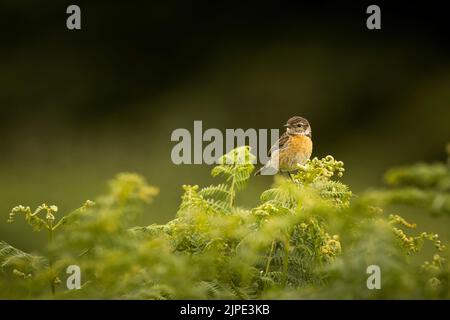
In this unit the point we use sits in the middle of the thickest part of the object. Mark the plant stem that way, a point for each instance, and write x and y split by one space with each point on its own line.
50 260
269 259
232 193
286 260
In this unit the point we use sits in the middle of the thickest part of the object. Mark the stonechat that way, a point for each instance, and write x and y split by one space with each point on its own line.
293 148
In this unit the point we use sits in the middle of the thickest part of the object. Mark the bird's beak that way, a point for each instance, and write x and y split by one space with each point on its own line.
286 125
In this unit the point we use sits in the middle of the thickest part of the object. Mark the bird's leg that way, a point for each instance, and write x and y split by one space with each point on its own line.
290 176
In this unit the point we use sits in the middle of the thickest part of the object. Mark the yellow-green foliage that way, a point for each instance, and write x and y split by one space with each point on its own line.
306 239
422 185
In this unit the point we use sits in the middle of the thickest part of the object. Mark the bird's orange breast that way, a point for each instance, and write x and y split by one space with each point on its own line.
301 144
297 151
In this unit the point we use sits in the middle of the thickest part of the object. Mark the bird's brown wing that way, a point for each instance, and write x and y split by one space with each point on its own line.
281 143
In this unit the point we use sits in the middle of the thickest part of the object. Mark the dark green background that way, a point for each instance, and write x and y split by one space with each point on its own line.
79 106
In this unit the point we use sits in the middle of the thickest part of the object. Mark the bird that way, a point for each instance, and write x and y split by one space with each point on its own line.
293 148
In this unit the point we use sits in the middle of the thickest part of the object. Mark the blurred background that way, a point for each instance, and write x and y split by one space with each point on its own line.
77 107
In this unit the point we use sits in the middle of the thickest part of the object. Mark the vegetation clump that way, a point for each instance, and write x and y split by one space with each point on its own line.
310 238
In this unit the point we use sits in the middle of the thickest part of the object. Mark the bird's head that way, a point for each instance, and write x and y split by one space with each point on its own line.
298 126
